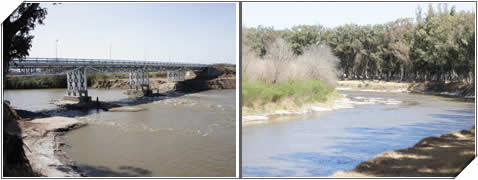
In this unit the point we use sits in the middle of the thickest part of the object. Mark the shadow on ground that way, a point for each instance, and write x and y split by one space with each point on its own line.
122 171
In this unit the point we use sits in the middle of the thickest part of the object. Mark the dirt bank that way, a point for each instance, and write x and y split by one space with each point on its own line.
15 163
444 156
216 77
35 151
372 85
155 83
43 142
460 89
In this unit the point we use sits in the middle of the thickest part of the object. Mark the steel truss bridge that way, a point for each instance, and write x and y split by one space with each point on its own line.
77 70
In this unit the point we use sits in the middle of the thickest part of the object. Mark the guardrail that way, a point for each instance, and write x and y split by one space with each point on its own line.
60 62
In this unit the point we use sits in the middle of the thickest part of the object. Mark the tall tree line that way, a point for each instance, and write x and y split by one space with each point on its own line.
437 45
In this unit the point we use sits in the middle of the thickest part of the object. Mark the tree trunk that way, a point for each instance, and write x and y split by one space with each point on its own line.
401 73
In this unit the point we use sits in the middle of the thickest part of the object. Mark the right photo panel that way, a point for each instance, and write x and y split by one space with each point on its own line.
357 89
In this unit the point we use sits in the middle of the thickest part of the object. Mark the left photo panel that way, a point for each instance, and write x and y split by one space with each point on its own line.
120 90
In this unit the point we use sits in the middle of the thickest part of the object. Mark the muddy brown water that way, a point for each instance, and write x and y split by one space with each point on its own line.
320 144
190 135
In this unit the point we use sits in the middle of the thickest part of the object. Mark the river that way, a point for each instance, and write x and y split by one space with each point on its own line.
319 144
190 135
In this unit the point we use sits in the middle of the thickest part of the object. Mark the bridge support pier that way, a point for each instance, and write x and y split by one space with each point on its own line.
77 85
139 82
176 75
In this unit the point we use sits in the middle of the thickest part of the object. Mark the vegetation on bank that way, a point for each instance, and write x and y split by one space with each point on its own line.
37 82
282 80
299 91
438 45
43 82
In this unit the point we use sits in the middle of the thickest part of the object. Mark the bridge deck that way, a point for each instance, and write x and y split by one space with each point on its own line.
76 62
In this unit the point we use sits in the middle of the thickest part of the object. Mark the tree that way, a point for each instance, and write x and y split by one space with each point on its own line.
438 45
16 34
399 37
258 38
301 36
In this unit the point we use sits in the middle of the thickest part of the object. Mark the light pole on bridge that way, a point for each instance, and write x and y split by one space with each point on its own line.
56 48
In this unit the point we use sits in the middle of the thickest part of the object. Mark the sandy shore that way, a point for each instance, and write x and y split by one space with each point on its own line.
457 89
42 138
373 85
444 156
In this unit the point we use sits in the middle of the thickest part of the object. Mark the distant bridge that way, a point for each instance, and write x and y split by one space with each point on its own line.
76 70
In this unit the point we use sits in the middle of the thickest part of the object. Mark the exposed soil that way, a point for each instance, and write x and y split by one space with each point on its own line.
15 163
216 77
154 83
41 137
32 146
460 89
444 156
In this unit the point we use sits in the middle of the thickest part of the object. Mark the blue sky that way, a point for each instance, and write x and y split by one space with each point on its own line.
332 14
184 32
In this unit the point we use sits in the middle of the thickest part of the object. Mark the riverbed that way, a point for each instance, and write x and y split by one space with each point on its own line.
189 135
321 143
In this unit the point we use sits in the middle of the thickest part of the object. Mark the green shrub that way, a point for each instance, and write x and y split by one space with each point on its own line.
302 91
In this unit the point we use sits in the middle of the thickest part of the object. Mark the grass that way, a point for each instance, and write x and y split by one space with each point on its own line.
300 91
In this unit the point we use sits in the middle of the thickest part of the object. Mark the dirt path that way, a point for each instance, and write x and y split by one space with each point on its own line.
444 156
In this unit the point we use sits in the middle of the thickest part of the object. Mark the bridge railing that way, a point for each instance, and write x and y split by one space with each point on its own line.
94 62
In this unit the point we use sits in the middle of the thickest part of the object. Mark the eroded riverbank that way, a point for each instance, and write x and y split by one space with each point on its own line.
42 138
452 89
443 156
